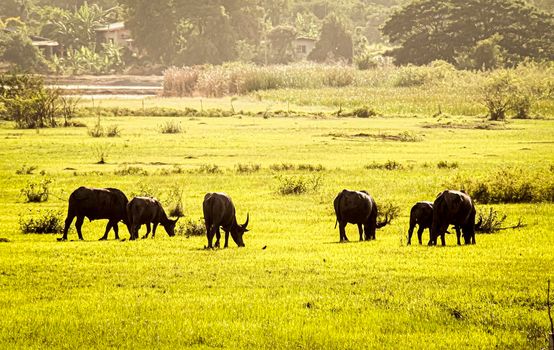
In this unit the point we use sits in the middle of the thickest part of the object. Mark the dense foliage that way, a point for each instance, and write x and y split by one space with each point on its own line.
484 31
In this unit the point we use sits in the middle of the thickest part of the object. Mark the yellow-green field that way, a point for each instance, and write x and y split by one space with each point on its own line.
293 285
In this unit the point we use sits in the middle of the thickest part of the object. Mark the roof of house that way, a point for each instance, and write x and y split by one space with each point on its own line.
111 27
305 38
35 39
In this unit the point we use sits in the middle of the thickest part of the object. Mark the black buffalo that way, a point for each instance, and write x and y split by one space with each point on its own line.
219 211
357 207
453 208
96 204
421 214
146 211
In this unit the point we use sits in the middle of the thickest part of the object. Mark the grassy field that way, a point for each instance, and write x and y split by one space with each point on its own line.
293 285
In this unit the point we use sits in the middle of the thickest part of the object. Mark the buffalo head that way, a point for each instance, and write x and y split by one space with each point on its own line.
238 230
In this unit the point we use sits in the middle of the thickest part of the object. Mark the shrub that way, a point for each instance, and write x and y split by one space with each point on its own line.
26 170
387 211
36 192
388 165
489 221
247 168
443 164
180 81
101 153
298 184
130 170
175 200
364 112
190 227
27 102
209 169
46 222
281 167
498 93
508 185
113 131
171 127
310 167
97 130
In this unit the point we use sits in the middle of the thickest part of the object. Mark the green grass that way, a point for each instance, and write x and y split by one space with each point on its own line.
303 290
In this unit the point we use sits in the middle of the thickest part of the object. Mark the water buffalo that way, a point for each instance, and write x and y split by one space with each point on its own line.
96 204
219 211
147 210
456 208
421 215
357 207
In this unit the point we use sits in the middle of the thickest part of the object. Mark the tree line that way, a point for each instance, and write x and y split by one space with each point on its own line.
472 34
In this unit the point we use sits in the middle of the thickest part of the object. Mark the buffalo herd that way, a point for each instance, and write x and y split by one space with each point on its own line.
355 207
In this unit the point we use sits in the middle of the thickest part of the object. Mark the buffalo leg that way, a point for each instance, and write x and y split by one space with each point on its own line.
217 238
458 234
78 225
420 234
148 229
116 230
442 234
68 221
342 232
109 225
211 234
370 229
226 239
154 227
361 232
134 231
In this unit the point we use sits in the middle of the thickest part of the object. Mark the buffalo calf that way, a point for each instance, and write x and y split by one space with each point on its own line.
421 215
146 211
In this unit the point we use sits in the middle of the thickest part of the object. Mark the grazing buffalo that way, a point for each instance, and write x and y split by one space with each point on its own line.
147 210
421 215
96 204
357 207
453 208
219 211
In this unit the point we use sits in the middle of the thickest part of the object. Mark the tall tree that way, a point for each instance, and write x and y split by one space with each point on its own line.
335 43
428 30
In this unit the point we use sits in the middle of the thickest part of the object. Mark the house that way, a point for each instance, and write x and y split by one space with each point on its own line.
115 33
303 46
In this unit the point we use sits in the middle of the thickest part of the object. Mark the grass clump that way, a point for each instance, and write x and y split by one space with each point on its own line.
46 222
209 169
97 130
294 185
388 165
113 131
26 170
171 127
190 227
247 168
443 164
175 200
282 167
131 170
36 192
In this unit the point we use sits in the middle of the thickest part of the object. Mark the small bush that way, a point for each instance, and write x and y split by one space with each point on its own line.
508 185
171 127
175 200
131 170
247 168
45 222
113 131
364 112
443 164
489 221
498 94
210 169
101 153
190 227
310 167
97 130
282 167
388 165
386 212
298 184
36 192
26 170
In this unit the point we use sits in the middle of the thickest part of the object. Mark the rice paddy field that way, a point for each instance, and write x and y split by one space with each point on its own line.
293 285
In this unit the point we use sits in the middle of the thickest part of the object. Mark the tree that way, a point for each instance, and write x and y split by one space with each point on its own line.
429 30
281 38
18 49
334 43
